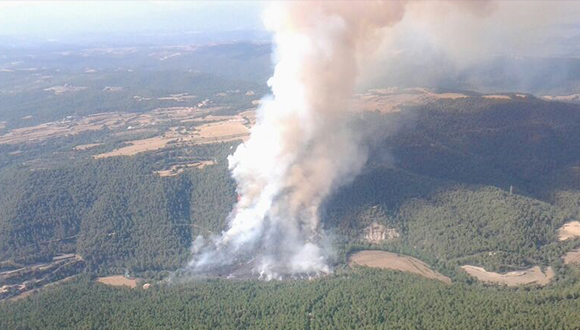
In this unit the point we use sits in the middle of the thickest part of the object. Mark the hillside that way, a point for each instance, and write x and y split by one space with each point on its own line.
442 179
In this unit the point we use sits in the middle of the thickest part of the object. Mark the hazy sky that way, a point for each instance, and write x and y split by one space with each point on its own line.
513 25
58 19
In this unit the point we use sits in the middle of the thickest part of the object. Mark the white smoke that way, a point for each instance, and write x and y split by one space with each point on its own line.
463 45
301 149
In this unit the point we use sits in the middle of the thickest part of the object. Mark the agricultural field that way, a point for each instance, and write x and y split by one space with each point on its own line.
118 280
388 260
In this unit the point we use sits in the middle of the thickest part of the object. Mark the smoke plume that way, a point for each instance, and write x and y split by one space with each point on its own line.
301 149
483 46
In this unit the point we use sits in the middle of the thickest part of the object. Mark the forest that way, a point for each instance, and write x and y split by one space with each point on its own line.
469 181
115 212
361 299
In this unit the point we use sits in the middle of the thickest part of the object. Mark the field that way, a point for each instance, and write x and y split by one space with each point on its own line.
138 146
534 275
161 127
388 260
199 124
21 280
392 99
233 128
42 288
563 98
69 126
223 129
497 97
118 280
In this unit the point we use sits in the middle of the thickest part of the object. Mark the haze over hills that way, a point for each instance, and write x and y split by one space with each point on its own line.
116 175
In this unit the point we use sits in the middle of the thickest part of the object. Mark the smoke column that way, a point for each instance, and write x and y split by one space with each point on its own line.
300 149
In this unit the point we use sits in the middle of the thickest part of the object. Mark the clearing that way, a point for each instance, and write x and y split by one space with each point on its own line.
178 169
182 97
118 280
86 146
534 275
392 99
137 146
223 131
562 98
112 89
389 260
569 230
497 97
66 88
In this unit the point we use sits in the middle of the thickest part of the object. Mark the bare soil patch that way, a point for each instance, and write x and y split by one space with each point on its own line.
118 280
389 260
377 233
534 275
572 257
569 230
